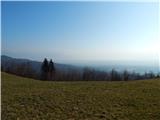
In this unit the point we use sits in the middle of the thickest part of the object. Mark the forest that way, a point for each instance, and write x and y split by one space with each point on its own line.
49 72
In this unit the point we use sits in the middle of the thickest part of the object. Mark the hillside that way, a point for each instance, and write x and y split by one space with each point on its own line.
8 62
28 99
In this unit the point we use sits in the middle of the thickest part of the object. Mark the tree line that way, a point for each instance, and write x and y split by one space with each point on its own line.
48 71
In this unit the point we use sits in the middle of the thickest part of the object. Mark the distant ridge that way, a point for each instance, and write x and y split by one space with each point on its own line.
7 61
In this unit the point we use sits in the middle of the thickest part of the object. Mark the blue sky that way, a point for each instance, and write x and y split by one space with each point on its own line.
81 32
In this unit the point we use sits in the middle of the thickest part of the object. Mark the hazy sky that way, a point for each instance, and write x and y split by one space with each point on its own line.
77 32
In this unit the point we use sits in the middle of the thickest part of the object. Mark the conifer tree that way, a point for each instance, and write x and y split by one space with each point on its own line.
44 69
51 70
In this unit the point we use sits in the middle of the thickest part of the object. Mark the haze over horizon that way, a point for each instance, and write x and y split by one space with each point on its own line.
82 32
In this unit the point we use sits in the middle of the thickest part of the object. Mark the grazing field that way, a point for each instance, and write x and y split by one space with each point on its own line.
28 99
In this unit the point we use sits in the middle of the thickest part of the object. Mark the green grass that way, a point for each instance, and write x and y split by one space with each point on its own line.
28 99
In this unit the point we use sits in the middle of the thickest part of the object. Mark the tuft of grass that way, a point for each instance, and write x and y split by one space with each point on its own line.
29 99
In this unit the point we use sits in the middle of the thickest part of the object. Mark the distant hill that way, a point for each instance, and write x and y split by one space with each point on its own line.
7 61
32 69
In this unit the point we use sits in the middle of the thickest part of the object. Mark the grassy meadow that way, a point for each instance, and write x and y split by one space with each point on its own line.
29 99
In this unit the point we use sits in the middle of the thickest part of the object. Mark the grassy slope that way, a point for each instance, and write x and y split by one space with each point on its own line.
28 99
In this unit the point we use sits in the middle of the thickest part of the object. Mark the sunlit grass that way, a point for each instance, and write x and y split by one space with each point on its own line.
28 99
